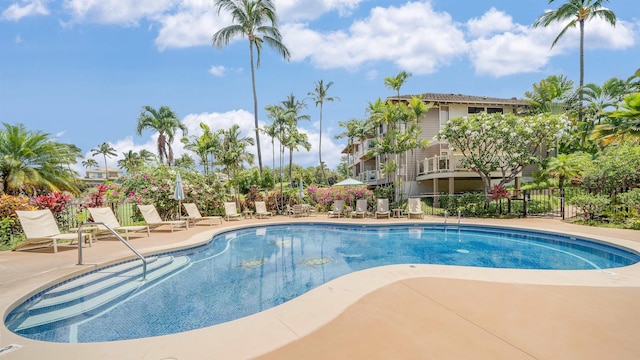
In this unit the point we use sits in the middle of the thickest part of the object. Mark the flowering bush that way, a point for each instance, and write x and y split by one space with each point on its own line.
156 186
324 197
56 202
498 192
9 224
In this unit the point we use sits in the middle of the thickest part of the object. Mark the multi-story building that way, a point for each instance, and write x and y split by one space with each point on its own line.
437 168
100 176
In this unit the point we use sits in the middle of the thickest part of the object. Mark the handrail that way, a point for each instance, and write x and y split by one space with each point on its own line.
115 233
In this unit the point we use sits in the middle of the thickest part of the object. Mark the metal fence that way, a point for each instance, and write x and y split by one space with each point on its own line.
552 203
76 214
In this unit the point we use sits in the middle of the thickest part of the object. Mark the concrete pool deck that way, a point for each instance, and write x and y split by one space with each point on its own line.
391 312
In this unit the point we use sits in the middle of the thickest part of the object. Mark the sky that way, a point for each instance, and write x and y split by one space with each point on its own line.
81 70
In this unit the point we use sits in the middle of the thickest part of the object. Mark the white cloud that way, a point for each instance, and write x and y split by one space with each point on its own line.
520 49
493 21
413 36
190 27
302 10
17 11
217 70
124 12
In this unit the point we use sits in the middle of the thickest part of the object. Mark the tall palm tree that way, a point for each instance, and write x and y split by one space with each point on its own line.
147 156
130 161
295 139
577 12
319 96
395 83
31 161
272 132
291 136
166 123
105 150
257 21
232 153
203 145
89 163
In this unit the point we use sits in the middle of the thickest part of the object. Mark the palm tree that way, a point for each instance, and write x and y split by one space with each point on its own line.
291 137
566 166
319 96
553 94
147 156
577 12
166 123
395 83
31 161
272 132
106 151
232 153
89 163
130 161
294 140
203 145
257 21
623 123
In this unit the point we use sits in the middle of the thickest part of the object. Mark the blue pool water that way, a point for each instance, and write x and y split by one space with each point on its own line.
243 272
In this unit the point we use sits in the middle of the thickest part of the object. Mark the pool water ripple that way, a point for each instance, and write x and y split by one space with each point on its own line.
246 271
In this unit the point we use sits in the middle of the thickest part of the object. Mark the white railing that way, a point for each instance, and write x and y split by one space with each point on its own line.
369 176
439 164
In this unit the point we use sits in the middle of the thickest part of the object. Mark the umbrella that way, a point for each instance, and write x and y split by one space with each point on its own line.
349 182
178 193
301 189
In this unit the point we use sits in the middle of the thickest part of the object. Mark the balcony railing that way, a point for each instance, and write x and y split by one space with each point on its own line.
369 176
440 164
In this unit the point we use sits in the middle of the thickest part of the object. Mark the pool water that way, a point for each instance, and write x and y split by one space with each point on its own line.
246 271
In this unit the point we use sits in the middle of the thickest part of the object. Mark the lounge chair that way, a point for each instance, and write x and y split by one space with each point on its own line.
415 208
106 215
193 215
383 208
153 219
361 208
336 209
261 210
298 210
231 212
41 230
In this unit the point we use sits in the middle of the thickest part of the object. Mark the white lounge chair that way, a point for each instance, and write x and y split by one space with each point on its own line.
41 230
106 215
336 209
261 210
153 219
415 208
193 215
361 208
231 212
383 208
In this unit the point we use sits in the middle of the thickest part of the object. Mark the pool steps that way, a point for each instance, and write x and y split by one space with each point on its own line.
92 292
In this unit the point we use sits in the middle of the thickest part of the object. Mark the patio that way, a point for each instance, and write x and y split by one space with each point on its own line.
392 312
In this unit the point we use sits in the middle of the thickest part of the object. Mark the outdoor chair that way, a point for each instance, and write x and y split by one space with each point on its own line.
336 209
231 212
41 230
415 208
193 215
361 208
153 219
261 210
106 215
382 209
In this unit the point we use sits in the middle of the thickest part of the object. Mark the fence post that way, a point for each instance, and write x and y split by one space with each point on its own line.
562 202
525 198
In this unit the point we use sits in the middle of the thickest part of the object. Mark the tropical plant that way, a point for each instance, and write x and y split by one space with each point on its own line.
502 142
621 124
233 153
106 150
576 12
89 163
257 21
566 166
553 94
130 161
319 95
395 83
614 169
204 146
30 161
166 123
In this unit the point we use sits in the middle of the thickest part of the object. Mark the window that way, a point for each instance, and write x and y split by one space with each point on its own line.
494 110
474 110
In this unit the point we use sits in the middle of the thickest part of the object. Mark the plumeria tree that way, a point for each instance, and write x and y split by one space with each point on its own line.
502 142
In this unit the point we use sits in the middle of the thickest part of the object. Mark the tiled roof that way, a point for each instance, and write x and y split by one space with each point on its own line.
462 99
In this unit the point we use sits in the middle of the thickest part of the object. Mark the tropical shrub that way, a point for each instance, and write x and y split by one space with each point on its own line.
591 205
156 186
9 225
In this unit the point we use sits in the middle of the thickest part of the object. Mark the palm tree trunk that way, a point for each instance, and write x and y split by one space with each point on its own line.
255 107
581 70
324 178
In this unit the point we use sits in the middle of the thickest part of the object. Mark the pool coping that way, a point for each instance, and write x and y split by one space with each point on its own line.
260 333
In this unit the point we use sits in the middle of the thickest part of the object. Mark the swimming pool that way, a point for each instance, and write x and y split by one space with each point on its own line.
243 272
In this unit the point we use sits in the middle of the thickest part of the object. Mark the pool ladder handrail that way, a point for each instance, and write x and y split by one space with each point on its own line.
115 233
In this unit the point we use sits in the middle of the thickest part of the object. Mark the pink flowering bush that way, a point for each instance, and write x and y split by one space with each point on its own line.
156 186
324 197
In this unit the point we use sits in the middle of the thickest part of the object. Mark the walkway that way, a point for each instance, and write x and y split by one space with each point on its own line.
393 312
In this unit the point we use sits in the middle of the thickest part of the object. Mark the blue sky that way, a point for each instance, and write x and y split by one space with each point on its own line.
82 70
